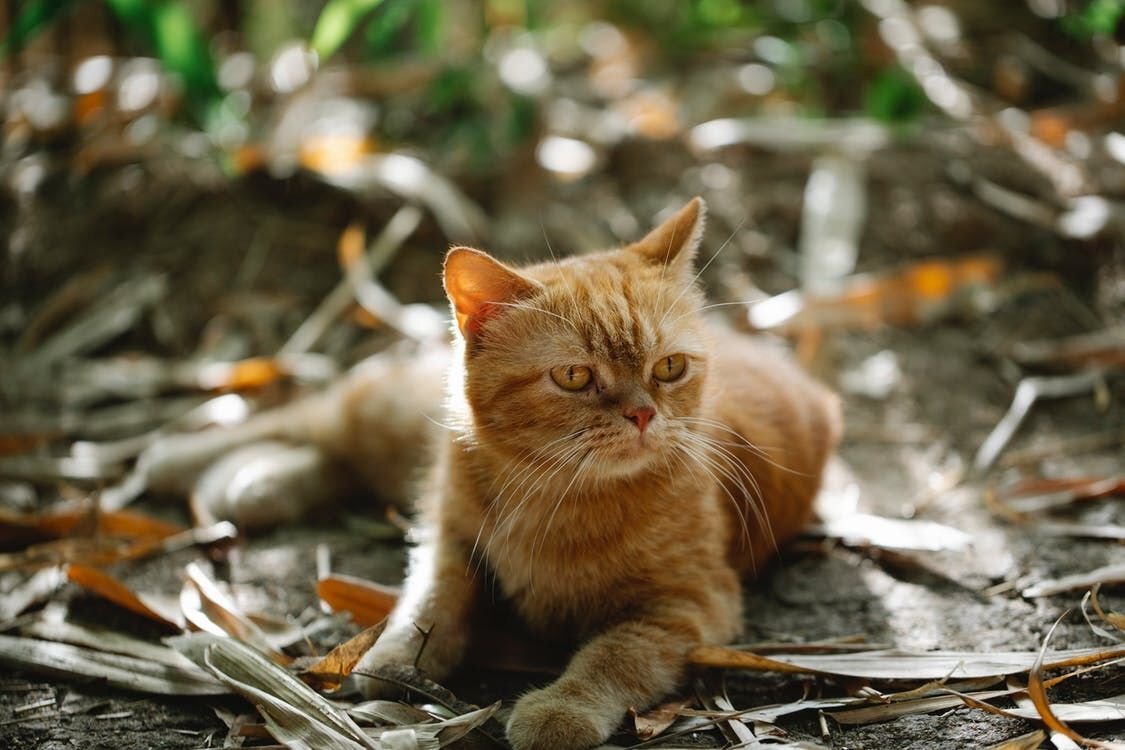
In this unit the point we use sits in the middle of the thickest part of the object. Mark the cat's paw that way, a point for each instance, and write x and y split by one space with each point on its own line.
545 720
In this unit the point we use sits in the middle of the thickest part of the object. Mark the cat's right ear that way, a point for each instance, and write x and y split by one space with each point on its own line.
674 242
479 286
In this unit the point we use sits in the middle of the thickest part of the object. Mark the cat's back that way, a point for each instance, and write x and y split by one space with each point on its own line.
781 425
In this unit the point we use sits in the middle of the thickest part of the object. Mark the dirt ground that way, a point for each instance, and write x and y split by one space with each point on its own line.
246 263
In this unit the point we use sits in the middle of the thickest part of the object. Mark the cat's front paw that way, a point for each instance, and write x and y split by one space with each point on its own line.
545 720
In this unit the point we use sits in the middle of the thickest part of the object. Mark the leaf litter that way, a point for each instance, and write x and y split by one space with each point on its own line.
918 294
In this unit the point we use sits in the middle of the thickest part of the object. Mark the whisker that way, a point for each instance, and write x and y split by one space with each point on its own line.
744 442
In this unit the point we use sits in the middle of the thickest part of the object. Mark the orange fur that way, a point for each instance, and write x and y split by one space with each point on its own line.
628 535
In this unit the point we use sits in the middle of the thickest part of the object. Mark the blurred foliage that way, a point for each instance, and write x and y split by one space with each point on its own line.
337 22
1094 17
822 57
34 16
170 29
894 96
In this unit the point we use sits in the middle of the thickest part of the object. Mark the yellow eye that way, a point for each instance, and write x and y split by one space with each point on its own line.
571 377
670 368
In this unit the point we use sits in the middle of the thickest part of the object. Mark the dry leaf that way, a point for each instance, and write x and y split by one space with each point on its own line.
1034 495
52 625
350 246
1111 618
294 712
116 670
1037 691
368 602
654 721
339 662
1083 712
1101 350
900 665
919 293
864 529
110 588
1106 574
36 588
889 711
212 611
245 374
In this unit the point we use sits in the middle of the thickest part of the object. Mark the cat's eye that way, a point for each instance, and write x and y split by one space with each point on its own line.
572 377
669 368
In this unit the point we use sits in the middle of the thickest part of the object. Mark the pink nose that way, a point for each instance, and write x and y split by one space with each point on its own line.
640 416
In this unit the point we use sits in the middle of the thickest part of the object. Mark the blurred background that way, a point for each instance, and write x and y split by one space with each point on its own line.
189 181
208 206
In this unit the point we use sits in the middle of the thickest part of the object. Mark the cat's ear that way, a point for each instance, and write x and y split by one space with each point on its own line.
479 286
675 241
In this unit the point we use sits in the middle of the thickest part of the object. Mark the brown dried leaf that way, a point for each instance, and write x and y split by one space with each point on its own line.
350 247
653 722
246 374
1038 693
1103 349
80 519
340 661
918 293
1032 495
368 602
1114 619
110 588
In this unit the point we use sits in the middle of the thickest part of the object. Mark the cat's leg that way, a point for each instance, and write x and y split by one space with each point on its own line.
633 664
429 626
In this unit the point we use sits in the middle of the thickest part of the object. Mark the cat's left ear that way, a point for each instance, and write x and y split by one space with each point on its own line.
675 242
479 286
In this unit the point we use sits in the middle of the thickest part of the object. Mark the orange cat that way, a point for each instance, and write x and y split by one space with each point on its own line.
616 463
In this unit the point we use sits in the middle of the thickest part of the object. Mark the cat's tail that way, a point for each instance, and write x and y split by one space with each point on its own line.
370 428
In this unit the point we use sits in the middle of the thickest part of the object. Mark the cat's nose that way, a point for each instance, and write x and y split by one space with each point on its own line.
640 416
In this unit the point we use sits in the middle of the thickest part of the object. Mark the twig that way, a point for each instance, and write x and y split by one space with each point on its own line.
1028 392
397 230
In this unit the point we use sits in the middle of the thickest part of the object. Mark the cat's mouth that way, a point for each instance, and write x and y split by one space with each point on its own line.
629 455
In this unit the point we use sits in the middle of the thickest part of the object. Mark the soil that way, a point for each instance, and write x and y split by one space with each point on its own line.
247 261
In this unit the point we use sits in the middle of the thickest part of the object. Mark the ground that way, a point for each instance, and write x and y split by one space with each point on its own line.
246 261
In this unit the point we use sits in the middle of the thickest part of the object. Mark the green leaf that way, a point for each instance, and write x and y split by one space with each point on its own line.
386 28
178 42
1098 17
337 22
31 20
431 26
894 96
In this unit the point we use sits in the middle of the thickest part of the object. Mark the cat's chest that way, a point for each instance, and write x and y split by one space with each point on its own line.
553 587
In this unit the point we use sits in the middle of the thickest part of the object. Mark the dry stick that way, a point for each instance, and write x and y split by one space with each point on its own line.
397 230
1028 392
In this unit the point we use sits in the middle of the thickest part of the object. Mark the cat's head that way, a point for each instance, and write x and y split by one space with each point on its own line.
590 363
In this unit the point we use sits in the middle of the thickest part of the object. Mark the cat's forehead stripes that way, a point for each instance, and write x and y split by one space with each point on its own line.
616 308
